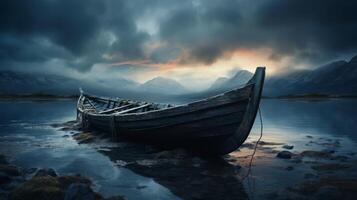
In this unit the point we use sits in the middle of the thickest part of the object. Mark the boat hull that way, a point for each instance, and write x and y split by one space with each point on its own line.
216 125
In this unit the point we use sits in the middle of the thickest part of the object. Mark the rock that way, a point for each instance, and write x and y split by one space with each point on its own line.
38 188
46 172
67 126
269 143
79 191
247 145
46 185
288 147
66 181
284 154
9 170
84 137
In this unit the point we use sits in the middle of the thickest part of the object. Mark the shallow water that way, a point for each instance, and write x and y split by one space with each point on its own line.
324 125
28 139
293 121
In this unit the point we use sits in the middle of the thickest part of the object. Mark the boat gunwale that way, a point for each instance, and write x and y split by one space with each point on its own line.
248 84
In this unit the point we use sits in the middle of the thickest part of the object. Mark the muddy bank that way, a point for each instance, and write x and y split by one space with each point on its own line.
309 172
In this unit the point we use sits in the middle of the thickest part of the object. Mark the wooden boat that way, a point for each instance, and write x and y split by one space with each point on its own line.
218 125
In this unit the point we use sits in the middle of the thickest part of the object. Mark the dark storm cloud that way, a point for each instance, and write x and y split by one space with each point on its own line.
67 23
315 30
206 30
71 30
81 33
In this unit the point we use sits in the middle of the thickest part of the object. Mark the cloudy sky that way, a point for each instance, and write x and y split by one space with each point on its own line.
192 41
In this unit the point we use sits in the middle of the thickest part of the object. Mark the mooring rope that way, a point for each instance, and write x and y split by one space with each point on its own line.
256 146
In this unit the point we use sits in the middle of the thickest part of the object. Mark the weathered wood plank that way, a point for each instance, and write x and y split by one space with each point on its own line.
189 117
231 97
132 109
115 109
193 126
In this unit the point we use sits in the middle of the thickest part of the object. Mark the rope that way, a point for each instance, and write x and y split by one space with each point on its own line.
255 147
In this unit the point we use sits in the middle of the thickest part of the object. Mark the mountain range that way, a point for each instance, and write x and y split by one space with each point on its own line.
163 85
224 83
338 78
335 78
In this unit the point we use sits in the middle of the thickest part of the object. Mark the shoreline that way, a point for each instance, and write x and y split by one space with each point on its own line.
17 183
316 168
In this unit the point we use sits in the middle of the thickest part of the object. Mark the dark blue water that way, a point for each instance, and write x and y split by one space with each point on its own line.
290 121
28 139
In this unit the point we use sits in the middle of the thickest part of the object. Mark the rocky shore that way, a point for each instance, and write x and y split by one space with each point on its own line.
320 172
43 184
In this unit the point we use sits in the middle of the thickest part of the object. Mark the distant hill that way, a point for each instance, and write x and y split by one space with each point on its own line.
24 83
14 83
223 83
164 86
336 78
